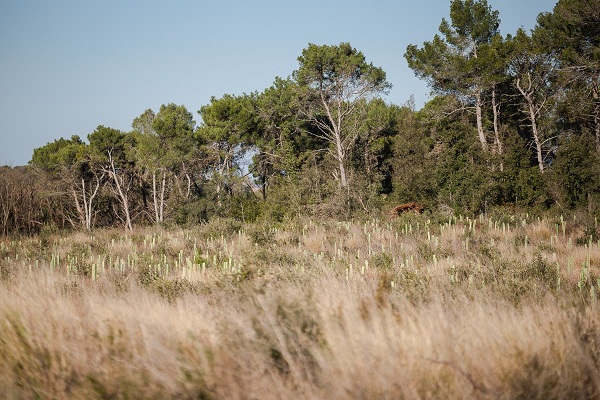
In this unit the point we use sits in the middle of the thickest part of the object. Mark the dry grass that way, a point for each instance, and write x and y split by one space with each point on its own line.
410 309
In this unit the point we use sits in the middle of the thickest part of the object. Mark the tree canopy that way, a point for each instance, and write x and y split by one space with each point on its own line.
514 121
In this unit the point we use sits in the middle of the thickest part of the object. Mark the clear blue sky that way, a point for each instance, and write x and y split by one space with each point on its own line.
69 66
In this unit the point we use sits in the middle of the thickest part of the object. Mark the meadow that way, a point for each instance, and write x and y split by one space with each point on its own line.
503 306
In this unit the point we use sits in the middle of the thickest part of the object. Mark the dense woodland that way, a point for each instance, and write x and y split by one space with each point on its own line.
515 122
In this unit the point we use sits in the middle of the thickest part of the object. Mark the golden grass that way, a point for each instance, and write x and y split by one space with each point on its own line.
411 309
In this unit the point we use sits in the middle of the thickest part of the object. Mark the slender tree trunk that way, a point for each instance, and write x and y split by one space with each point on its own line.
527 94
499 146
261 170
478 110
340 158
158 196
189 185
154 199
220 179
162 197
479 114
80 212
89 203
122 195
536 137
85 203
334 135
86 206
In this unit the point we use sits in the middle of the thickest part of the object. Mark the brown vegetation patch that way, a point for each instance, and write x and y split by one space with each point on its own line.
402 208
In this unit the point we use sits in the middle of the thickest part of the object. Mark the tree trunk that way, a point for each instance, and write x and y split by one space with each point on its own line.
89 203
340 158
85 203
333 134
162 197
478 112
80 212
154 199
122 195
499 146
159 203
527 94
536 137
189 185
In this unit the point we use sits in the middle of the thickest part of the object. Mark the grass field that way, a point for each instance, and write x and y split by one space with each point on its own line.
420 307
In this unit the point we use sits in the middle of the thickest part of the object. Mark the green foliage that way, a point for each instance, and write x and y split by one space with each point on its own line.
323 143
383 261
414 159
325 67
61 153
570 34
284 201
334 82
169 288
414 284
105 141
282 139
147 276
460 170
372 155
576 170
450 64
194 212
78 259
261 234
164 140
521 182
228 119
516 281
269 257
245 207
173 121
218 227
172 289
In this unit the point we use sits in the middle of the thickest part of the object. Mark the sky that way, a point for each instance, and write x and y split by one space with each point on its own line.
67 66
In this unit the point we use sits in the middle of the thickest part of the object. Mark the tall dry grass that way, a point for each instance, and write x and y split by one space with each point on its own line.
405 309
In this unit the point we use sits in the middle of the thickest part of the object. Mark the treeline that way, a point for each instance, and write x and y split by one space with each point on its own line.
515 121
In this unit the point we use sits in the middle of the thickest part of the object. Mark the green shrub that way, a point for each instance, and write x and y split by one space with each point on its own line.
383 261
218 227
261 234
171 289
